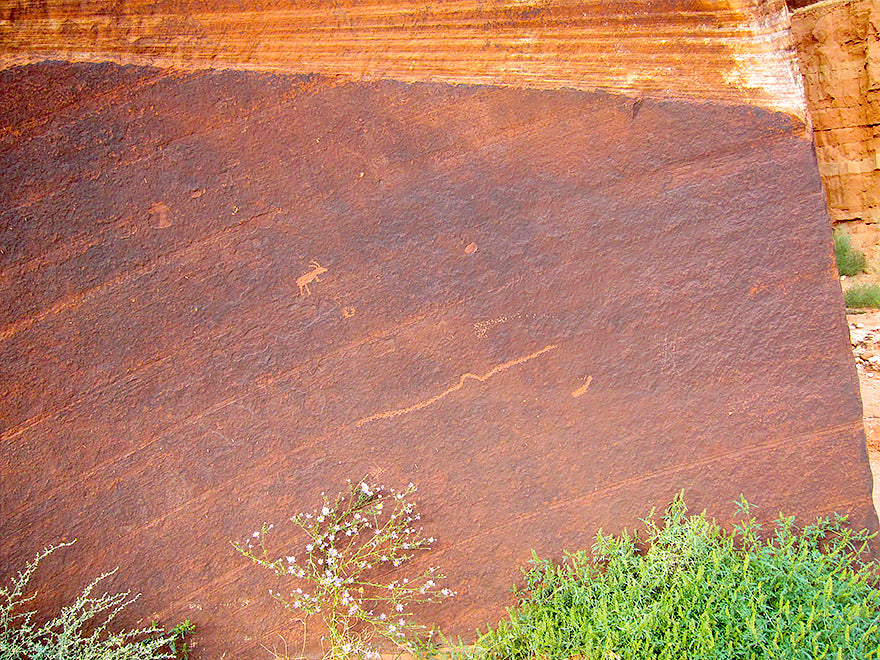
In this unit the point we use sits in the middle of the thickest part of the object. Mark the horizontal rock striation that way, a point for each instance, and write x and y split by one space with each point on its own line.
735 51
839 50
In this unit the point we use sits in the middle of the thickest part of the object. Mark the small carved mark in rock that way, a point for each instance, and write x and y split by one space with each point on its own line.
583 388
161 210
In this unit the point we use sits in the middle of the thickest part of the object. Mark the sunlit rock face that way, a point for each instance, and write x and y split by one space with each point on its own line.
839 53
721 50
225 292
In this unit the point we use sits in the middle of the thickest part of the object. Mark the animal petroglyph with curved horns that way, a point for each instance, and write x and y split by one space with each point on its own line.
305 279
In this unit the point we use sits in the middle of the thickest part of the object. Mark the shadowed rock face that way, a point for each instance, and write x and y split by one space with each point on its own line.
551 310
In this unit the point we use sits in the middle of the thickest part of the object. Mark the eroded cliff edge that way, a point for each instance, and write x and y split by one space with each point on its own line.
736 51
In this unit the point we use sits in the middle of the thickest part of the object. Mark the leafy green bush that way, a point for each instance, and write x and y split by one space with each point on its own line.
850 261
81 631
862 295
690 590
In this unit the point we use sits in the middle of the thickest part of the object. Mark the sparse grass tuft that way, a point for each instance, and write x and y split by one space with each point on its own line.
862 295
850 261
690 590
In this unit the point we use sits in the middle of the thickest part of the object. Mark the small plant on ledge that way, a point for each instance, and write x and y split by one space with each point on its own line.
850 261
862 296
340 574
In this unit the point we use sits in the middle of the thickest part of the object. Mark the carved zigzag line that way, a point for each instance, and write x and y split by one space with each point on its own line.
434 399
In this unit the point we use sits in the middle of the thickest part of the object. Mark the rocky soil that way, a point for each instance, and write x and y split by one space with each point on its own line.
864 332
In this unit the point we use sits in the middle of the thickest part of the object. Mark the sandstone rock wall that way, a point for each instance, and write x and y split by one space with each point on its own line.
552 309
736 51
839 53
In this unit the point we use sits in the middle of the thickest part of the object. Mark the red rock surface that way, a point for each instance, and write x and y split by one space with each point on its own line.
550 310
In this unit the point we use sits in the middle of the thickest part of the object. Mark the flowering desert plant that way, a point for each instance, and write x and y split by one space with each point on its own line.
353 545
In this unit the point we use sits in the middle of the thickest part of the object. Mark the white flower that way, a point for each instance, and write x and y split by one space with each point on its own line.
290 559
309 547
399 607
256 535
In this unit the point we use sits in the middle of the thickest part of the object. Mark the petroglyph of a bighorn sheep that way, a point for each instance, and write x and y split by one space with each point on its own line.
305 279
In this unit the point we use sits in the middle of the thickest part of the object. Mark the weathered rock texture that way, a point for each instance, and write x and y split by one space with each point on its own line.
552 310
720 50
839 52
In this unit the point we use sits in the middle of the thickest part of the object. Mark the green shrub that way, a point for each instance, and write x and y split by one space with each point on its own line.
81 631
850 261
862 295
690 590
